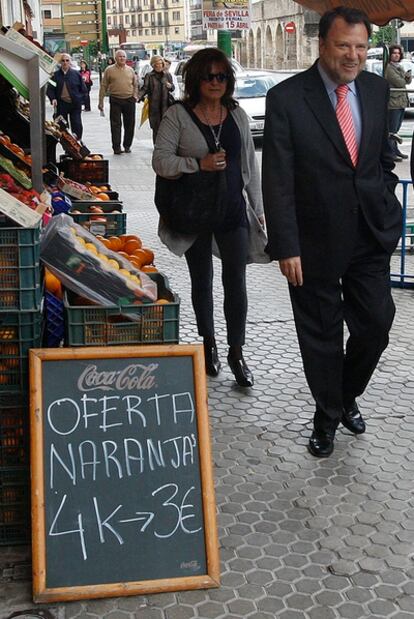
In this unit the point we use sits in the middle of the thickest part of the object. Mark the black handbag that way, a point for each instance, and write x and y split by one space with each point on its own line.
195 202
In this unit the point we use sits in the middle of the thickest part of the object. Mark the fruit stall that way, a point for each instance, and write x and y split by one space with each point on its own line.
71 275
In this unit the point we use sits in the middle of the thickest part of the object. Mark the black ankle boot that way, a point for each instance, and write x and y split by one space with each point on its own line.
238 366
212 361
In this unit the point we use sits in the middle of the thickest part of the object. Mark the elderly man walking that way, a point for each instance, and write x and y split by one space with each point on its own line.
68 94
120 82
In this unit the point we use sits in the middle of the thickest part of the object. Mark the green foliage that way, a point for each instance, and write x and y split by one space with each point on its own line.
385 34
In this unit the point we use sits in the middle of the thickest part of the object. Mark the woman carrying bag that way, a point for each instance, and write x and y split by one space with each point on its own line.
210 113
157 87
86 76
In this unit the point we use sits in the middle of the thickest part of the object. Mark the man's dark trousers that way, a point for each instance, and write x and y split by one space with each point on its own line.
362 298
122 110
74 112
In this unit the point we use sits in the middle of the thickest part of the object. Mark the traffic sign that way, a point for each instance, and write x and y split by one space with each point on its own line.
290 27
84 43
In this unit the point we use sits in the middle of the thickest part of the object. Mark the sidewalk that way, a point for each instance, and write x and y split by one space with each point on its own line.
300 538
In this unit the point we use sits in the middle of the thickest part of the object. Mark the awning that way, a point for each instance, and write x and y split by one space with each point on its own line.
380 12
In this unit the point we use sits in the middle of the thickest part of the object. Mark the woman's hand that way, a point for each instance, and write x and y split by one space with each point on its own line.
213 162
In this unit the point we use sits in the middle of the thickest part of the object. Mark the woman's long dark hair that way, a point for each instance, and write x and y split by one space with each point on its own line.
199 66
86 65
392 48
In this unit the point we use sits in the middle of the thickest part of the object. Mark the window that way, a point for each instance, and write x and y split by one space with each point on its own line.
146 31
134 33
176 15
127 19
47 14
109 21
159 30
146 17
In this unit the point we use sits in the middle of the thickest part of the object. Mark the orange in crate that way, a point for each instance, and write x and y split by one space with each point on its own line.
53 284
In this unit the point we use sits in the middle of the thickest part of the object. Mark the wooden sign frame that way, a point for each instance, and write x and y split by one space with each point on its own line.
41 593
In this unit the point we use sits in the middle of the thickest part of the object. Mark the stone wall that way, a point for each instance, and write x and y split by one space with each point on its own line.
267 45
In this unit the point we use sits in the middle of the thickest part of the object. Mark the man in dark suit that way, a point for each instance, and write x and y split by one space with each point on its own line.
332 217
68 94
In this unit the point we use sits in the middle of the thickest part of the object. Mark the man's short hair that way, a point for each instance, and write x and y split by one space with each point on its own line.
351 16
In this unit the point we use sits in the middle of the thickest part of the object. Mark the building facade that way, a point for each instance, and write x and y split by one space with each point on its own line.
283 35
162 25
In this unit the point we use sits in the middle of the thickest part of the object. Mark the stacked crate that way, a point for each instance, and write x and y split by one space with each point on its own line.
20 330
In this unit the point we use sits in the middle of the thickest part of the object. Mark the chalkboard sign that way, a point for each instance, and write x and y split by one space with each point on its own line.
122 484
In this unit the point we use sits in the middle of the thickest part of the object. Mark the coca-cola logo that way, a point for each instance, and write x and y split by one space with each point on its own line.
135 376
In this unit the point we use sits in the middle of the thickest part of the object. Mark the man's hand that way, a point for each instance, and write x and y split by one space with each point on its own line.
54 102
292 269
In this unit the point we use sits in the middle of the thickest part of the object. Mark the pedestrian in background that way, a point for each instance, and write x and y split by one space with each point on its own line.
167 69
68 94
397 77
86 76
332 217
181 148
120 82
158 87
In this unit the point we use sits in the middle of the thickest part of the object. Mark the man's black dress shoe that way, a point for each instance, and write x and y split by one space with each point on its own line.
352 419
127 150
321 444
118 151
241 372
212 361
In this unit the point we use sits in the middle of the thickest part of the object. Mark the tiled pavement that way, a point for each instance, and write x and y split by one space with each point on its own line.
300 538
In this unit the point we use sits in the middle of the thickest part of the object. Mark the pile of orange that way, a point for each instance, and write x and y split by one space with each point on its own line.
15 148
130 247
9 353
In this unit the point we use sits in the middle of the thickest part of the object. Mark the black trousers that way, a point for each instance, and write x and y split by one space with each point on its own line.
362 299
233 246
122 110
74 113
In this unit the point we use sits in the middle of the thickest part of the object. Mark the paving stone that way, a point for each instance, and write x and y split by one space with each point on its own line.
209 610
241 607
351 611
148 613
180 612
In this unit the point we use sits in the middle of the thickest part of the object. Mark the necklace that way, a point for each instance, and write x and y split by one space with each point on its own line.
217 135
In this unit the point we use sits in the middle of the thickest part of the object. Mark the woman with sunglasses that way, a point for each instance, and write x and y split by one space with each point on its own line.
182 148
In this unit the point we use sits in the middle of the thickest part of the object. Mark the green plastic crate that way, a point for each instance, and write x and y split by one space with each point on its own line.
14 430
20 272
19 331
15 506
114 225
94 325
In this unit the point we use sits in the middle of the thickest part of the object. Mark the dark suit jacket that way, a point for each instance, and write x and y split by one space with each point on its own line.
312 193
75 84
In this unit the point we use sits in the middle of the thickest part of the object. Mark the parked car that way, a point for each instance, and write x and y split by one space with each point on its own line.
250 92
177 69
376 66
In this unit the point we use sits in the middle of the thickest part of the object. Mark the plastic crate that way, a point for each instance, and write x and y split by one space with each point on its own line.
20 272
132 324
94 171
14 430
114 225
19 331
14 506
54 333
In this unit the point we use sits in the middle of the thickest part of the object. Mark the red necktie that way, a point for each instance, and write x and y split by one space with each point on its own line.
345 120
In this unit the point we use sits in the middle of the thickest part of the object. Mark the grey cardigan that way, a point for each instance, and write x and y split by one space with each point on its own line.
179 145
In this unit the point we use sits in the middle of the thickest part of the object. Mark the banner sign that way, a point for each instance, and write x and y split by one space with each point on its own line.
228 15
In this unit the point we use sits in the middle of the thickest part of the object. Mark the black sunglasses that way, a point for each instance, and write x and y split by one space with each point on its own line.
220 77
